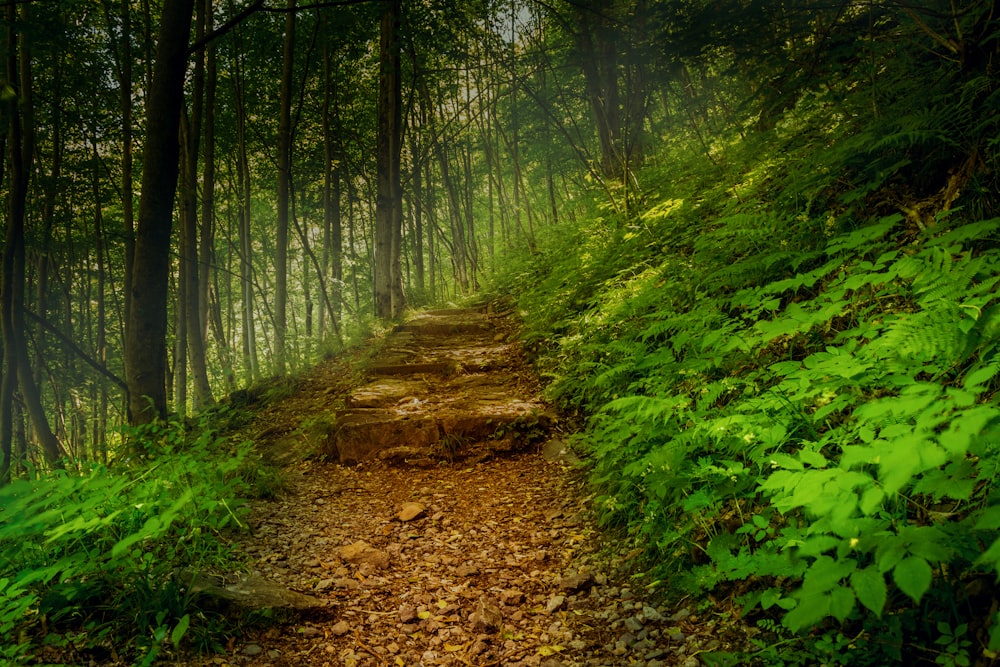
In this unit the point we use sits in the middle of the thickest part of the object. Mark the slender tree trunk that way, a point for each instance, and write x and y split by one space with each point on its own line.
21 144
145 341
206 245
8 379
128 189
333 230
190 303
101 347
248 325
389 301
284 176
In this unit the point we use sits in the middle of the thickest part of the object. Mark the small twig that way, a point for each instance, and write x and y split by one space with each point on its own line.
507 656
364 647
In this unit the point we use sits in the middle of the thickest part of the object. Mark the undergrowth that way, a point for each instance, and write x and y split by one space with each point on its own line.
788 364
89 557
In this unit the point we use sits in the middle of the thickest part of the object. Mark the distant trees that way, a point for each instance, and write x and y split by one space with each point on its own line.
379 162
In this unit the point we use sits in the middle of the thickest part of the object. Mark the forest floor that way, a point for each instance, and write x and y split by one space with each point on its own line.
458 533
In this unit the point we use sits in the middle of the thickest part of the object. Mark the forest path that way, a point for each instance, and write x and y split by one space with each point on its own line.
459 536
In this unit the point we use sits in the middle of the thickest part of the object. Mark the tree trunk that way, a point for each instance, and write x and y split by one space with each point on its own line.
206 244
145 339
284 175
333 229
21 144
389 300
190 304
128 189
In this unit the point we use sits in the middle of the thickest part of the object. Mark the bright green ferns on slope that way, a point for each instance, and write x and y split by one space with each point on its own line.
787 363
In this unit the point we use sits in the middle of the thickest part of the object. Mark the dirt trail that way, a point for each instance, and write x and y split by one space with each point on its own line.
457 536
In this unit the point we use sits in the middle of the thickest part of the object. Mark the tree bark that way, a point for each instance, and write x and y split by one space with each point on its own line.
190 303
333 229
145 338
389 299
284 176
249 332
17 365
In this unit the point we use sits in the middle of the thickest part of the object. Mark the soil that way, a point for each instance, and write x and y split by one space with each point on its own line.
440 520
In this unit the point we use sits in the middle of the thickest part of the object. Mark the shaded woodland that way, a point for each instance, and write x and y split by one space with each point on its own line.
754 245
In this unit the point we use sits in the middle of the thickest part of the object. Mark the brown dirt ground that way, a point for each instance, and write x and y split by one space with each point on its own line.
500 566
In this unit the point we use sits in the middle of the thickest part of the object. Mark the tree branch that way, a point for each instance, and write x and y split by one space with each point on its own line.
73 347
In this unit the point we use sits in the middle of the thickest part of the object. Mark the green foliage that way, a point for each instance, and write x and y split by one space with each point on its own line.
788 365
91 555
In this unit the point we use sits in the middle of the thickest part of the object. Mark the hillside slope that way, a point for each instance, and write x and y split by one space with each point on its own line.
785 360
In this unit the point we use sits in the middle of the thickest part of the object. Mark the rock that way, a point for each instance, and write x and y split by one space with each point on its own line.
341 628
554 603
580 581
681 614
511 597
411 511
633 624
361 553
252 649
479 647
651 614
486 618
407 613
249 591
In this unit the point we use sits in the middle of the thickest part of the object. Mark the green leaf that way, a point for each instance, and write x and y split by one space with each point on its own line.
814 459
810 610
989 519
841 602
869 586
871 500
975 379
770 597
182 626
913 576
786 461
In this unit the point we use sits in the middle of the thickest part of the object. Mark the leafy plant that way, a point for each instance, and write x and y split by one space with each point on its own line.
92 554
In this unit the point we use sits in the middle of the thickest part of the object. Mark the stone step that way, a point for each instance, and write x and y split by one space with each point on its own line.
362 433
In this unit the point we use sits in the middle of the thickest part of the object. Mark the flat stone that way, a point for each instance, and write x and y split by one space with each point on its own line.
580 581
555 603
252 649
411 511
362 553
